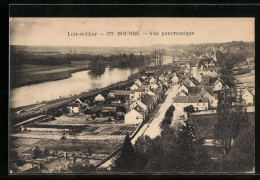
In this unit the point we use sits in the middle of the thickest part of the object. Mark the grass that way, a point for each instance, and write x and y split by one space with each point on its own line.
205 125
33 74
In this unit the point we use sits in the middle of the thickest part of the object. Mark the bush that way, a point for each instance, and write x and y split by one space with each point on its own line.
189 109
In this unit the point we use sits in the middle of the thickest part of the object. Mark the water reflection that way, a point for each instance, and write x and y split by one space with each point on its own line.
79 82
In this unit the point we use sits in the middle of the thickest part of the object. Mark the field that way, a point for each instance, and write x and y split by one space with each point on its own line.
205 125
89 152
107 129
246 80
33 74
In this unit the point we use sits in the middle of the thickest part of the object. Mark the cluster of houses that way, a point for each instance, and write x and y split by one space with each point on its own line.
200 85
130 106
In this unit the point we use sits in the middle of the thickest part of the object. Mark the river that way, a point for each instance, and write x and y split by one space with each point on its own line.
79 82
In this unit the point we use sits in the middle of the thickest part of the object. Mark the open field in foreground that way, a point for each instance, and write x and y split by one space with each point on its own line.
88 152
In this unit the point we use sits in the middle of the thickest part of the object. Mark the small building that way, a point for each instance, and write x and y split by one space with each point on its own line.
247 97
205 80
188 82
154 86
138 82
199 103
218 85
99 98
184 88
175 79
122 94
74 108
149 101
138 93
134 87
133 117
94 110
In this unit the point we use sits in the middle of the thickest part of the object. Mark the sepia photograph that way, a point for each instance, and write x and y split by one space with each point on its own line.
131 95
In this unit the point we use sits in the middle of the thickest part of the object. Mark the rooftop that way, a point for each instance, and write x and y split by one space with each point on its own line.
121 92
190 99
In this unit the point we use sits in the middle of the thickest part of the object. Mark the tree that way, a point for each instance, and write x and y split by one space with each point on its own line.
189 109
126 160
230 118
168 117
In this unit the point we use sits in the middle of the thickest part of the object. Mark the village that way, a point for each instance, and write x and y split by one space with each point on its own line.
89 130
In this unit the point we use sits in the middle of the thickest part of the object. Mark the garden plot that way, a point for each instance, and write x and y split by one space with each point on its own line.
108 130
246 80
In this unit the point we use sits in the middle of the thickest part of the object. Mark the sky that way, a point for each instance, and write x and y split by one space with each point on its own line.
54 31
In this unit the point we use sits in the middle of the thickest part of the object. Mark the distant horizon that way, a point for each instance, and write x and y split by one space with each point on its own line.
131 46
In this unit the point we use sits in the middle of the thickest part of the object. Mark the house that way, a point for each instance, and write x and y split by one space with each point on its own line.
188 82
211 63
198 77
195 81
122 94
182 93
151 93
108 111
154 86
152 80
250 61
204 92
207 62
138 93
214 74
184 88
138 82
205 80
146 87
149 101
94 111
141 108
74 108
99 98
199 103
133 117
186 71
175 79
187 66
218 85
134 87
247 97
194 71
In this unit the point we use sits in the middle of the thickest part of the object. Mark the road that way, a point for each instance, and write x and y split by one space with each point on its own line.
152 129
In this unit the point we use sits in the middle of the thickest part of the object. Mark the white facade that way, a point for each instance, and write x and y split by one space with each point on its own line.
133 117
212 101
197 106
134 87
248 98
218 86
174 79
99 97
138 82
194 71
154 86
